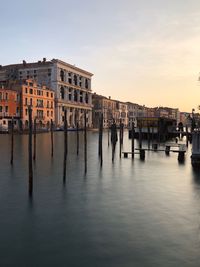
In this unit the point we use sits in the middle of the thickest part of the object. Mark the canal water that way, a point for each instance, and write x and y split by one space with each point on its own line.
129 213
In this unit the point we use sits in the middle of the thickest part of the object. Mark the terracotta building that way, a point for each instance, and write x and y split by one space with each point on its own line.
9 108
40 98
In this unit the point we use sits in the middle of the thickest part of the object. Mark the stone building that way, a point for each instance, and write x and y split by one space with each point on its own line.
72 86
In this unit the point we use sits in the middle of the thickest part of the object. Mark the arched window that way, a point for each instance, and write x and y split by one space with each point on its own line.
86 83
62 93
62 75
75 96
86 98
75 79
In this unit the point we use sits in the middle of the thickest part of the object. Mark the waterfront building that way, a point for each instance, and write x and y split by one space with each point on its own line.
40 98
105 106
9 108
72 87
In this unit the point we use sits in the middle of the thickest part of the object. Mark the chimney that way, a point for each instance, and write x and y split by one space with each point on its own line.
44 59
109 97
24 62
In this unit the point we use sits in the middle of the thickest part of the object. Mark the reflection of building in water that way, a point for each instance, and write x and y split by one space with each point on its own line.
72 86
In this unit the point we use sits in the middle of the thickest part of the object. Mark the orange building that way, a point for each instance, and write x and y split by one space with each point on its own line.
41 100
9 108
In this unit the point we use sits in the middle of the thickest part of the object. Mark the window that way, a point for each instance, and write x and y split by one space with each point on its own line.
75 96
86 98
47 113
86 83
6 108
17 110
6 96
62 75
1 108
26 101
26 90
51 95
51 113
31 101
31 91
35 71
4 122
1 96
47 94
51 104
62 93
75 79
47 104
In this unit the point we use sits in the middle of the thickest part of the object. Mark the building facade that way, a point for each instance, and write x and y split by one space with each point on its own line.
41 100
72 87
9 108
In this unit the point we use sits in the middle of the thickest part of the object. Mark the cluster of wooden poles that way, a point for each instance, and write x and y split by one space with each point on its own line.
113 138
32 147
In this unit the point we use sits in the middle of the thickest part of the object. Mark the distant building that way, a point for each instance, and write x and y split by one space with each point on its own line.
9 108
112 110
72 86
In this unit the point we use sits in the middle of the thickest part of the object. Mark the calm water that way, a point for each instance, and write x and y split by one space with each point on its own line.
129 213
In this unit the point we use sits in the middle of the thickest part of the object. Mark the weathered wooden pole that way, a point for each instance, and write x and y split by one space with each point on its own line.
113 138
51 138
34 140
99 150
77 137
132 139
12 142
186 128
101 139
140 137
122 133
148 137
108 134
65 146
30 164
85 141
120 139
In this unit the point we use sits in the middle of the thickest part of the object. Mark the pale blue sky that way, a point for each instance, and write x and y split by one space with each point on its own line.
145 51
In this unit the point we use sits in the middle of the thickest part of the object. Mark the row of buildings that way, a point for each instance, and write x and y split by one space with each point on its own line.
50 87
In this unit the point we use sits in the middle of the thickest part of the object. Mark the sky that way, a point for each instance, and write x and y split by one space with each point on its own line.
143 51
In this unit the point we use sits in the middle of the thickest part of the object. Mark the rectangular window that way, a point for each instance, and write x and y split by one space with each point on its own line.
6 96
51 113
47 113
31 91
51 95
26 90
47 94
6 108
26 101
26 111
1 108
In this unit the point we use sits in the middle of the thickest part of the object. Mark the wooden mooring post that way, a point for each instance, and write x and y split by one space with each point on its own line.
120 138
148 136
140 137
77 137
52 138
187 139
34 140
85 141
132 139
65 145
30 164
113 138
12 142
